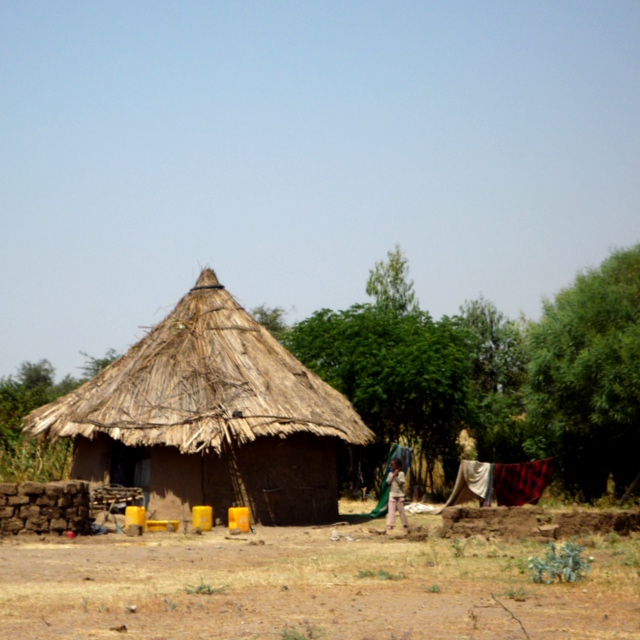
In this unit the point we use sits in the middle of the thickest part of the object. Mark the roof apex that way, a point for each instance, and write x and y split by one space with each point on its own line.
208 279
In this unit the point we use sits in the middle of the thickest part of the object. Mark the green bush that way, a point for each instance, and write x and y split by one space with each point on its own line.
25 458
381 575
566 564
205 589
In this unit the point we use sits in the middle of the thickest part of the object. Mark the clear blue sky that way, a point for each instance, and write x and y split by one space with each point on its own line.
290 145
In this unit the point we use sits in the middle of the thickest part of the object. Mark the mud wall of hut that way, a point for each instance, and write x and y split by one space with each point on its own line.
290 481
175 484
54 507
284 481
92 459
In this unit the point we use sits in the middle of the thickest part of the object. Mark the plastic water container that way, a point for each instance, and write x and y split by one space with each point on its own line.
239 518
203 518
135 515
163 525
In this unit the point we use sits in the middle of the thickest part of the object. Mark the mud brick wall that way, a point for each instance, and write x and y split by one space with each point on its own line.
464 522
534 522
54 507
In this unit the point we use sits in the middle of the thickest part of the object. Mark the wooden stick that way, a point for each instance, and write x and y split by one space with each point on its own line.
513 616
632 486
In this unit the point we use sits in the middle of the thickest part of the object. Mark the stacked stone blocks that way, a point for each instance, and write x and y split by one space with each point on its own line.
54 507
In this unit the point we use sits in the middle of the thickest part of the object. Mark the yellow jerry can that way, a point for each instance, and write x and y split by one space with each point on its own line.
202 518
135 515
239 518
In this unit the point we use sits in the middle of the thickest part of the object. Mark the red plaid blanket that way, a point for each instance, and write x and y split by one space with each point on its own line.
517 484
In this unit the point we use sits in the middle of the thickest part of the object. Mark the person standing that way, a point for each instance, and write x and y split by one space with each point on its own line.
396 479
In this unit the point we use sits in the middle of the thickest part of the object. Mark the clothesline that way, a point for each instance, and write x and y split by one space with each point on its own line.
510 484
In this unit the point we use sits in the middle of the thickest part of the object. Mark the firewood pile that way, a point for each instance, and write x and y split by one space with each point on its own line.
110 498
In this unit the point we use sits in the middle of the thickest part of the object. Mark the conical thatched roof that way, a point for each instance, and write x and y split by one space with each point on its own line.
205 374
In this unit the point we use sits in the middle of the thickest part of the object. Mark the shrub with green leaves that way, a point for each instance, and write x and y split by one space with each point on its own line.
565 564
294 634
205 589
381 575
458 548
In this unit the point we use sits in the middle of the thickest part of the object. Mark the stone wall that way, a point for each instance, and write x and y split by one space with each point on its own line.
54 507
534 522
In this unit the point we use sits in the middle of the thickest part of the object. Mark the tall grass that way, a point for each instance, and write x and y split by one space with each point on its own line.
25 459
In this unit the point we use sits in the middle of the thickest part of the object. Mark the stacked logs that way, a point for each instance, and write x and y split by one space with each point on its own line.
54 507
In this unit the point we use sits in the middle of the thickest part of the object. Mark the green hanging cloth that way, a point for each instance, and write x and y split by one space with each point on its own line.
403 454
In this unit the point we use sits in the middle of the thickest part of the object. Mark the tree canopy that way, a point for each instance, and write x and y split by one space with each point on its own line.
93 366
389 283
272 319
405 374
496 413
583 393
33 386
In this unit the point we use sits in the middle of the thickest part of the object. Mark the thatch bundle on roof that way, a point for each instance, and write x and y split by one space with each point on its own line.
208 377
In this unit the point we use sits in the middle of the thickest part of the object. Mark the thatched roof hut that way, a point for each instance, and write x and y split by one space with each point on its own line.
207 379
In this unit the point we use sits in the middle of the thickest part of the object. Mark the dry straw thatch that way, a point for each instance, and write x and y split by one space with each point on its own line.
208 373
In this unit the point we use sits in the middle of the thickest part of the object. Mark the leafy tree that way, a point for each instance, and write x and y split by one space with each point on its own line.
498 358
33 375
272 319
93 366
498 346
34 385
389 284
24 458
405 374
583 394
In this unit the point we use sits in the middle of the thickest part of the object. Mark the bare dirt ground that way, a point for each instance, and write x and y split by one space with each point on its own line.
297 583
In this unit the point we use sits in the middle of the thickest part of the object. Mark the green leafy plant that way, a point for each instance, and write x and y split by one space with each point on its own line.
519 563
458 548
583 371
294 634
381 575
385 575
366 573
565 564
433 558
434 588
386 358
613 538
205 589
515 594
632 558
26 458
170 605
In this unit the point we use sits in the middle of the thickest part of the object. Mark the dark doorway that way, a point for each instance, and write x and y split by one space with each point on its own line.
130 466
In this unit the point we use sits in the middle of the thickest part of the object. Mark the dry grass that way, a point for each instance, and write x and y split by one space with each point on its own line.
298 578
312 560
